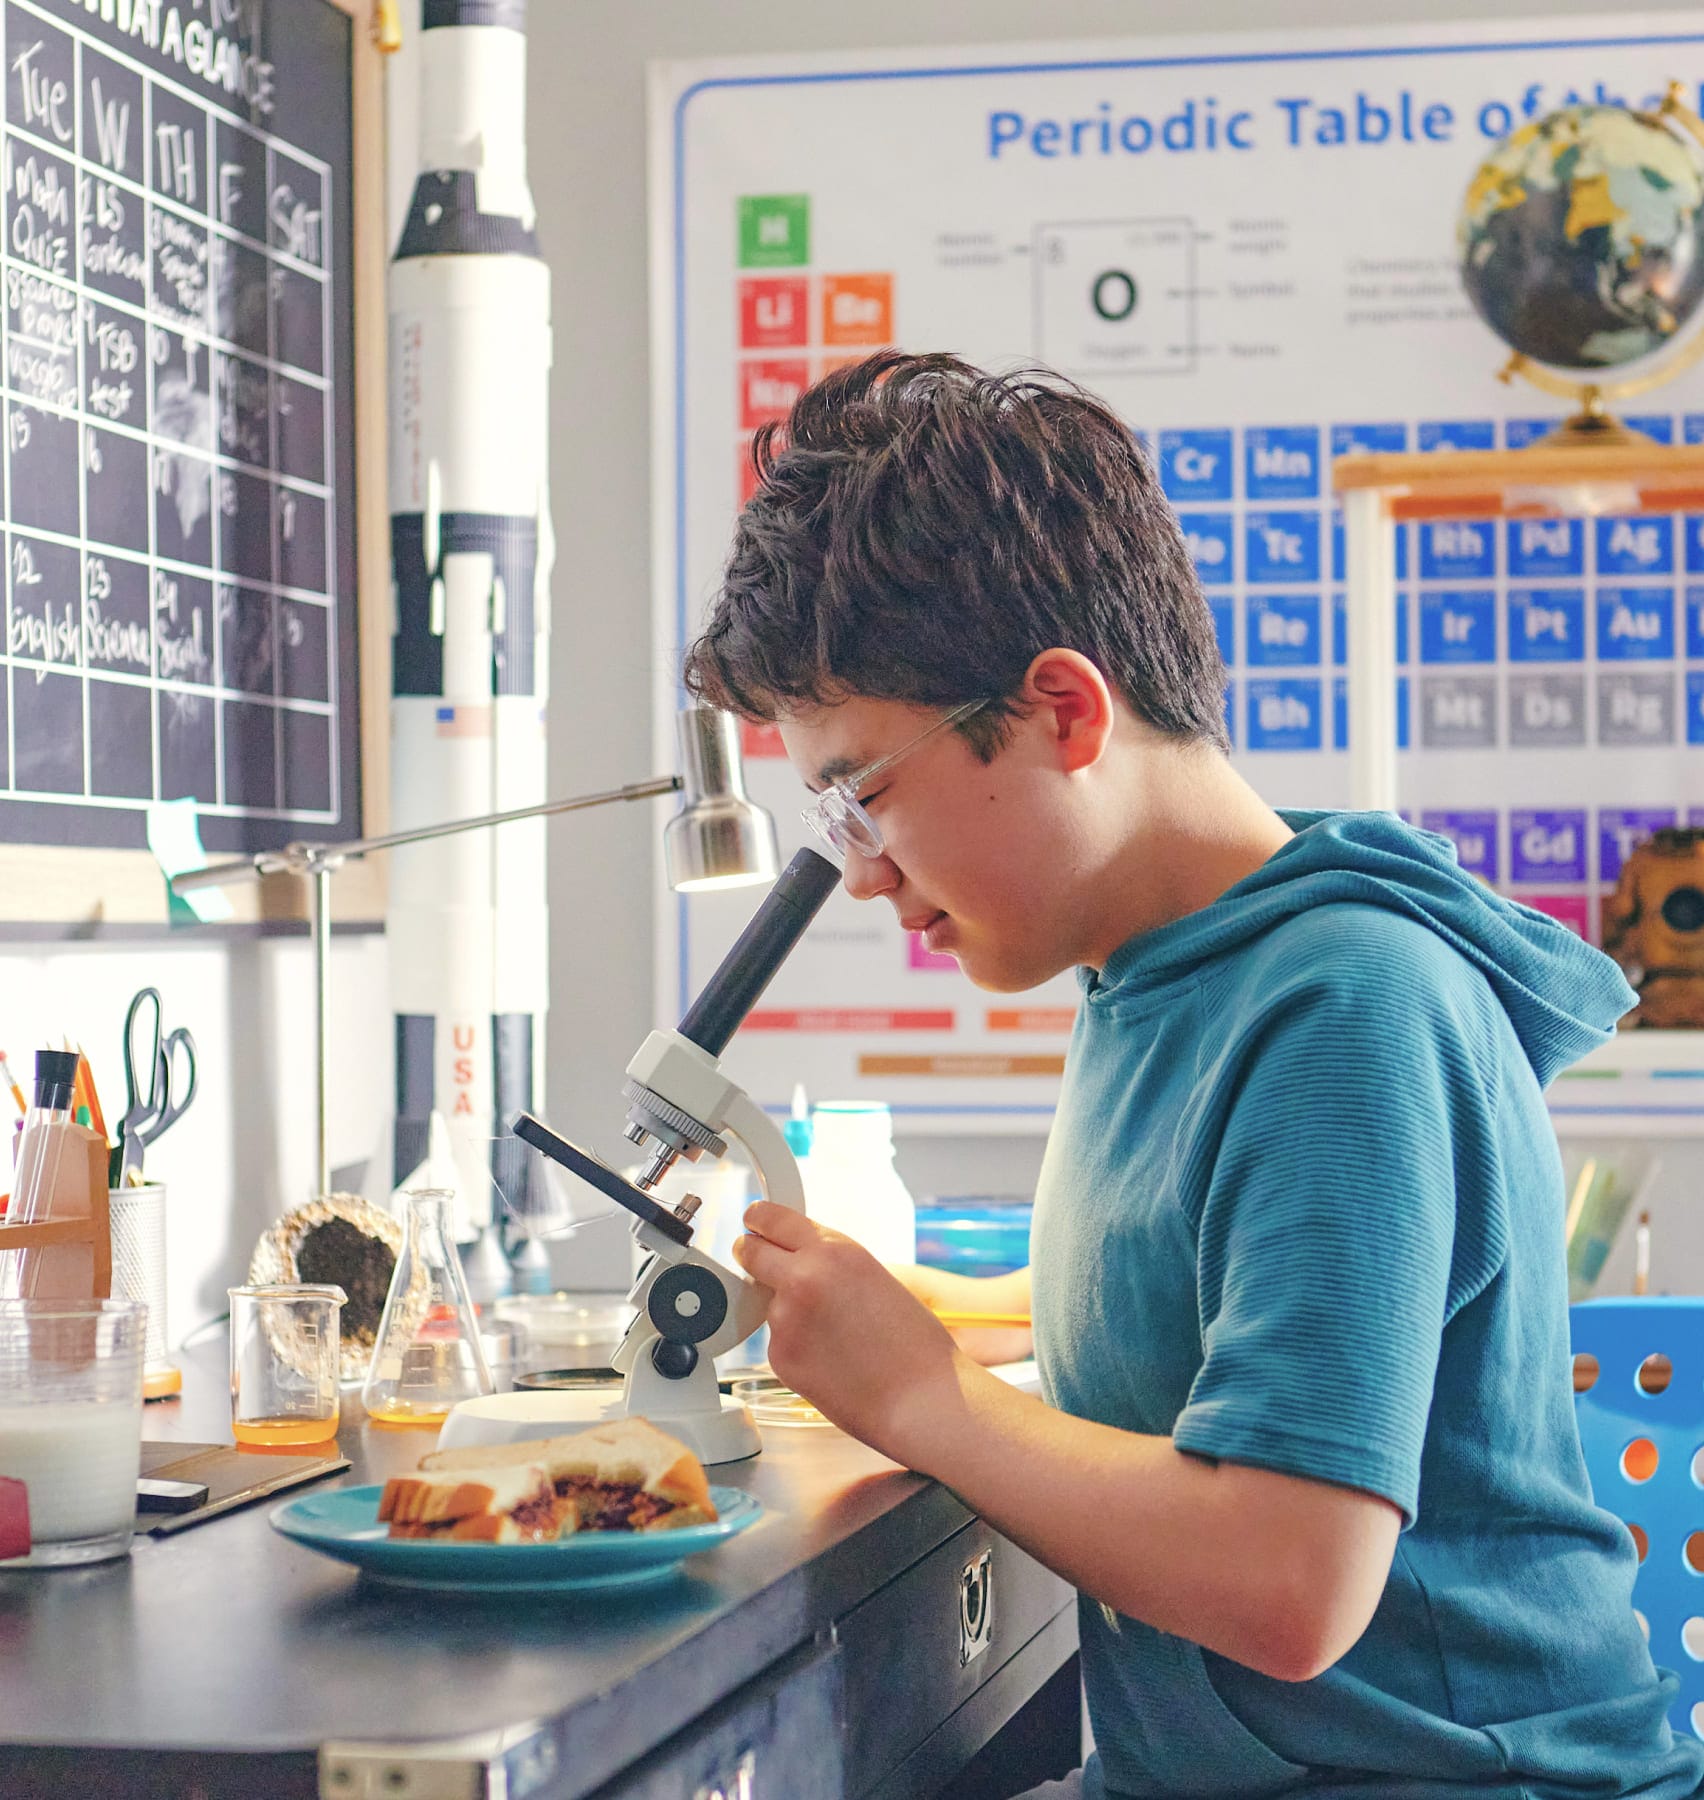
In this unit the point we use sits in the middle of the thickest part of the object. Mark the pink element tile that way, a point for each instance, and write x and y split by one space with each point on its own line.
921 958
1572 910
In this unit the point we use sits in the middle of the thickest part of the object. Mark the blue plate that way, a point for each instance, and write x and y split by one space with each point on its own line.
345 1524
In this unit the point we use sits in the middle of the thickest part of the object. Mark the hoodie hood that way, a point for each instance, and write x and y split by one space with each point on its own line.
1562 996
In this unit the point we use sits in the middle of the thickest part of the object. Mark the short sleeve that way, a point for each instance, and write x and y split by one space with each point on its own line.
1350 1209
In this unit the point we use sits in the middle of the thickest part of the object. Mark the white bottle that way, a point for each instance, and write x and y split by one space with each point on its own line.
851 1185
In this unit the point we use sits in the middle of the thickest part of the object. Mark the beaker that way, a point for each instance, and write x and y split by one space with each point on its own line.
428 1354
284 1349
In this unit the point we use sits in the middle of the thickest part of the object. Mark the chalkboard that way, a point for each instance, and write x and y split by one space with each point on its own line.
180 199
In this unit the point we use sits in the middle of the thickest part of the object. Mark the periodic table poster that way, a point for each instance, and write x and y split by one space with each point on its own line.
176 459
1246 245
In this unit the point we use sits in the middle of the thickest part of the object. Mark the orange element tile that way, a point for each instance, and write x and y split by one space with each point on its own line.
1032 1018
961 1067
857 309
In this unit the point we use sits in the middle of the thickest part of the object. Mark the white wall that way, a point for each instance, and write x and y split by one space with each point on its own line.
245 1151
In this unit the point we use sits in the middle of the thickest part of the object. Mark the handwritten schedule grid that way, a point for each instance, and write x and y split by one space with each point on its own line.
170 591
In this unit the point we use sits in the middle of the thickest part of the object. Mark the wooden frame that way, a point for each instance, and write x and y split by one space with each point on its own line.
56 890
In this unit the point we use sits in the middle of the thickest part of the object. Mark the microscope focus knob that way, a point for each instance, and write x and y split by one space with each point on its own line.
687 1304
674 1362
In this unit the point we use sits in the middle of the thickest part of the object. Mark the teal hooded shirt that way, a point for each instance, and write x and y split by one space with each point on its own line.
1302 1209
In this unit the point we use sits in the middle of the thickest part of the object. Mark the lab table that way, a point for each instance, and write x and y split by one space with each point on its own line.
868 1639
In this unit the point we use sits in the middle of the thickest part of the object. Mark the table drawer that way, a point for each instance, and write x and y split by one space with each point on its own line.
779 1738
915 1652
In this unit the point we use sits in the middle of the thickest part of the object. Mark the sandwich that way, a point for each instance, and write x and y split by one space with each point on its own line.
623 1475
515 1504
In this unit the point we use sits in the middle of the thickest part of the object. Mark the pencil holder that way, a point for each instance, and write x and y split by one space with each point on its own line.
139 1273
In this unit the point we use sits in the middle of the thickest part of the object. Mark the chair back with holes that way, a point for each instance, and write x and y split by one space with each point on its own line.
1641 1413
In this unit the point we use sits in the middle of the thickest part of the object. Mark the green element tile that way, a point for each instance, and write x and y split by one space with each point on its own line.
775 230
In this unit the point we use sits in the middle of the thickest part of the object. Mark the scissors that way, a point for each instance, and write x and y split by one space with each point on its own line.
153 1060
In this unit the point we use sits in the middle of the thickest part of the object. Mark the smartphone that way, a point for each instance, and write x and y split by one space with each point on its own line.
582 1163
153 1495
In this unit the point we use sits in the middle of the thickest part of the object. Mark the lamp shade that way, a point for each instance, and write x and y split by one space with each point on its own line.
720 837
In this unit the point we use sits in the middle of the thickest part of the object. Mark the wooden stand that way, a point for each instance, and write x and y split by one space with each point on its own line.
80 1221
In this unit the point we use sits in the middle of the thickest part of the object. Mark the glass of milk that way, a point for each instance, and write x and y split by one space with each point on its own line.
71 1423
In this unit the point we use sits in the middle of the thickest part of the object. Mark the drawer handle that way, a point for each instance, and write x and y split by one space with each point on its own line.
976 1607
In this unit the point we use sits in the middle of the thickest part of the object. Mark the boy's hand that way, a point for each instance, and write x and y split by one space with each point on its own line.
845 1334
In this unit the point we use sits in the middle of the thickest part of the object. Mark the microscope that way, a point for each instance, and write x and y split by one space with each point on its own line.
690 1308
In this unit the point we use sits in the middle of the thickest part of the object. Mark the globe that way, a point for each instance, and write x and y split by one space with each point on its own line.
1579 237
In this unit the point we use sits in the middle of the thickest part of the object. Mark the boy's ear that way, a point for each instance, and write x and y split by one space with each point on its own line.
1069 696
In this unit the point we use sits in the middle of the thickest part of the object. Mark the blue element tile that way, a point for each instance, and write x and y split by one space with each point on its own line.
1474 835
1197 465
1280 547
1284 713
1547 625
1695 621
1547 844
1620 828
1283 630
1519 433
1458 550
1340 713
1691 529
1695 706
1340 627
1369 440
1281 462
1659 427
1340 548
1458 434
1211 541
1641 545
1635 624
1224 610
1458 625
1545 547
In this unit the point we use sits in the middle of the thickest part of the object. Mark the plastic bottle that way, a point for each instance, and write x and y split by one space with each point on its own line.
851 1184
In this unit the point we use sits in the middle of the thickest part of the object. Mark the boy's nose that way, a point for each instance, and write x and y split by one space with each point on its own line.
865 877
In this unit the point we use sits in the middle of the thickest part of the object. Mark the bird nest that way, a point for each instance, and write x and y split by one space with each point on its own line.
341 1239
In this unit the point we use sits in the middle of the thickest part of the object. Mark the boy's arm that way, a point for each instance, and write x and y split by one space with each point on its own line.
1008 1295
1276 1572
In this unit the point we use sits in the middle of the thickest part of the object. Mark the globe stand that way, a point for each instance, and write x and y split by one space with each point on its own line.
1594 426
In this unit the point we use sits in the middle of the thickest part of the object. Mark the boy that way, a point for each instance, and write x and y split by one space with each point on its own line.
1299 1297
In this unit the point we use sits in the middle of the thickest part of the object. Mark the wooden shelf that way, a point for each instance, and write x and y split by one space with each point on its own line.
1542 480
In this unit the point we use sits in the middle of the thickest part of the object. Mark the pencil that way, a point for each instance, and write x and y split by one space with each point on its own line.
86 1075
960 1321
7 1076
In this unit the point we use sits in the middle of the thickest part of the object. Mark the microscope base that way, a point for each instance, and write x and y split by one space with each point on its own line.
725 1436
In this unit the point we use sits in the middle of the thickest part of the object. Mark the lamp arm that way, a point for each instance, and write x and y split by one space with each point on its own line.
314 859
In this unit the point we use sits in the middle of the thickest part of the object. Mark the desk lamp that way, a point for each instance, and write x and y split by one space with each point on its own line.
720 838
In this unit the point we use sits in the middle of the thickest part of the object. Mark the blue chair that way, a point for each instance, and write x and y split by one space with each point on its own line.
1642 1427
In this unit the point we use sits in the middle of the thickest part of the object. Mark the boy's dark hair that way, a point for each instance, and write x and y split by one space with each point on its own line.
922 531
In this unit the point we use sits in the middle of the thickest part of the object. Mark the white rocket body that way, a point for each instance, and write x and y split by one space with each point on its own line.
470 353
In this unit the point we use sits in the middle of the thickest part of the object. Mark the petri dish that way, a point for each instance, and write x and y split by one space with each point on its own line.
772 1402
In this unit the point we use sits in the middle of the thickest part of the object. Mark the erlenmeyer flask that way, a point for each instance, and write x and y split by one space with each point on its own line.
428 1355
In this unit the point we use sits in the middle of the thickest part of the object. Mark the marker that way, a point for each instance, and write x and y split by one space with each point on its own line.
1642 1256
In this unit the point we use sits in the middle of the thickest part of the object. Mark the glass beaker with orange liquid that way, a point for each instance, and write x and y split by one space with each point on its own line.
284 1343
428 1354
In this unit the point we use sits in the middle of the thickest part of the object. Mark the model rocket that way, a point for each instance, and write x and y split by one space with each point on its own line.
471 550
